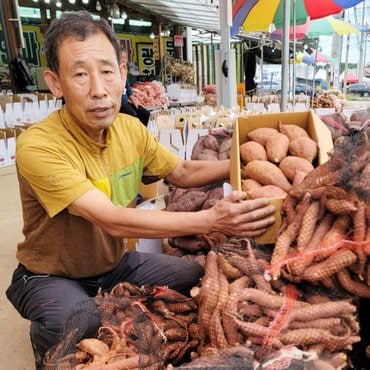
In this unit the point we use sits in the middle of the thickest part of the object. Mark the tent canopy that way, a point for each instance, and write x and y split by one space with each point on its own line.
351 77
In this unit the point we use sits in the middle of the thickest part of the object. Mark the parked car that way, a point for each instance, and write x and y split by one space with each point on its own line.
268 87
303 89
361 89
274 87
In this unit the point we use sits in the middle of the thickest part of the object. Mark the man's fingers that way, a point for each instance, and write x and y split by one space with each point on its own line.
259 213
260 224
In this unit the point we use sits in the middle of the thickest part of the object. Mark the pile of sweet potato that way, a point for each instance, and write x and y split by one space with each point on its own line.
273 160
213 147
325 234
340 125
141 328
239 307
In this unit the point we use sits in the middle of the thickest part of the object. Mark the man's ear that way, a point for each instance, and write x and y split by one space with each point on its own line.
52 80
123 72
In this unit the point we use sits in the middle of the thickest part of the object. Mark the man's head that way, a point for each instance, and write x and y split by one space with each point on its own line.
77 25
83 55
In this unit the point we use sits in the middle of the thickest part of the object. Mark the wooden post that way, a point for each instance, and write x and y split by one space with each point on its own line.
12 32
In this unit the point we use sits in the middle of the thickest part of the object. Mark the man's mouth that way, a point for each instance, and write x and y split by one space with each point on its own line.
99 109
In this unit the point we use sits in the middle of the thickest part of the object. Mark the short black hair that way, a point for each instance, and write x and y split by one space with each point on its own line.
78 25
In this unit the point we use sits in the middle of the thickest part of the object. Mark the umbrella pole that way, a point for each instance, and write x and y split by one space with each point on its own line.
346 66
285 57
261 60
314 68
294 50
361 61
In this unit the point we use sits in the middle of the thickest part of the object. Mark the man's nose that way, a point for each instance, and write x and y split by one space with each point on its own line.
97 86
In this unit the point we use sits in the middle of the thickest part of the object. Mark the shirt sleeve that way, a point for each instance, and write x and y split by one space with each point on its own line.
56 181
159 161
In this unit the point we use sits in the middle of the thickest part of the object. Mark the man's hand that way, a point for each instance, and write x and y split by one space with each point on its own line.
236 216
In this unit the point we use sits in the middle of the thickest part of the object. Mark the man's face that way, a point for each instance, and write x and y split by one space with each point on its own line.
91 82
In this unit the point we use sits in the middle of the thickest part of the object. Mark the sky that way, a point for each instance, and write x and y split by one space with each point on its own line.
353 15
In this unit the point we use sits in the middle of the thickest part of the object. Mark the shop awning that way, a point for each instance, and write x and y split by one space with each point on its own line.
199 14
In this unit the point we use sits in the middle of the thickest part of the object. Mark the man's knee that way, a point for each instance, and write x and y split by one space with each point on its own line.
82 321
43 338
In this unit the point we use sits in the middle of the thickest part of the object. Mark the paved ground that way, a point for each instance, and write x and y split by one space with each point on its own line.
16 352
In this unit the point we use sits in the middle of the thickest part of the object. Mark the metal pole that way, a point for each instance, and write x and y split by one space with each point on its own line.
360 72
314 67
261 60
365 49
227 60
346 66
294 50
285 57
189 45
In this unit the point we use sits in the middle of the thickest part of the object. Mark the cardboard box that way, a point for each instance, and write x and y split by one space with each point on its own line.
3 150
308 120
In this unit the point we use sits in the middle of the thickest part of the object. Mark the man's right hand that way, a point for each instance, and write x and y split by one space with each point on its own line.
236 216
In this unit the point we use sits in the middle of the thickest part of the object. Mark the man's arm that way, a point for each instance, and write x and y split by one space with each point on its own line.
230 216
199 173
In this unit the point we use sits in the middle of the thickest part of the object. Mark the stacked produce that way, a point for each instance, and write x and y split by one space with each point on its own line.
328 100
280 324
180 70
325 236
339 125
273 160
150 94
140 328
210 96
214 146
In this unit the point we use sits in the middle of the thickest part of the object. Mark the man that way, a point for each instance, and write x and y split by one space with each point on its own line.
79 172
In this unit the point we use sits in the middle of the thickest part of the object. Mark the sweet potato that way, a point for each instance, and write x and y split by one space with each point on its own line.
286 238
292 131
298 178
291 164
267 173
198 147
277 147
330 121
303 147
224 149
333 264
267 191
93 346
261 134
252 150
356 116
210 142
208 155
250 185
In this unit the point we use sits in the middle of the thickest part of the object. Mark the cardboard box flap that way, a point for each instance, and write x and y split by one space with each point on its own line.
235 171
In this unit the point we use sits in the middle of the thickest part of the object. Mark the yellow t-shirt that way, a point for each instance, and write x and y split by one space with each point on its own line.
57 162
